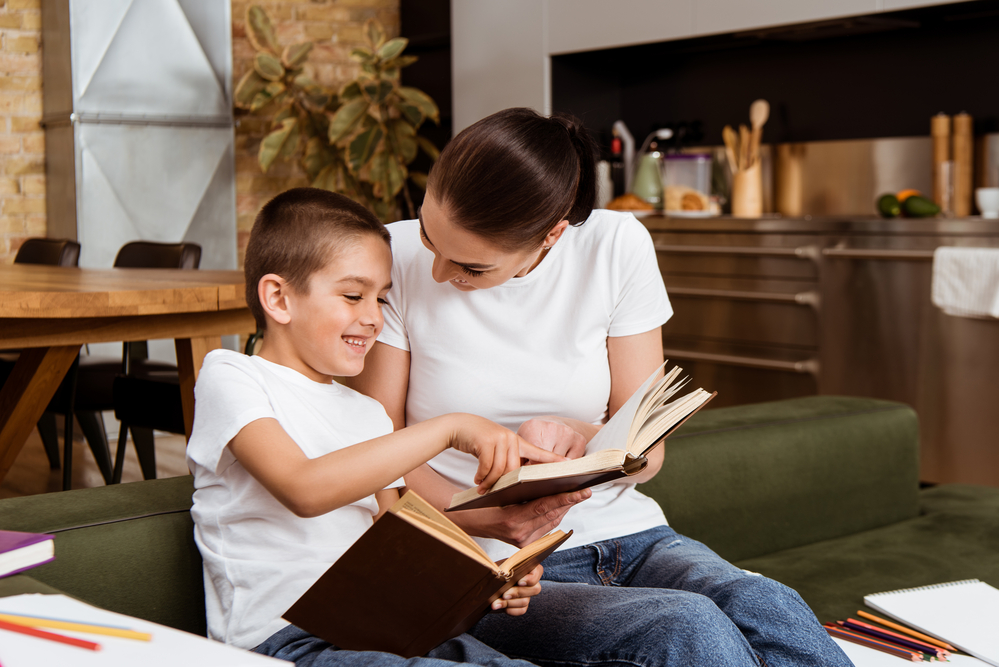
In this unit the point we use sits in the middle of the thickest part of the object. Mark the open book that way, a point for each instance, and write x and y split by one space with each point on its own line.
412 580
639 425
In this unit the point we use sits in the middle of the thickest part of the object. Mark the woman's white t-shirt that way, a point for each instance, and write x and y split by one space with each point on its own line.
259 557
535 345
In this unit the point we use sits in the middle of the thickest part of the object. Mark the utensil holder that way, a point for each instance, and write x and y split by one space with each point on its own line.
747 192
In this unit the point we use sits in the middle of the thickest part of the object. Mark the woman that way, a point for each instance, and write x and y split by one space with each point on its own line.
513 299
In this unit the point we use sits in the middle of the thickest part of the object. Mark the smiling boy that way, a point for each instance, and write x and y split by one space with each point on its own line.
290 467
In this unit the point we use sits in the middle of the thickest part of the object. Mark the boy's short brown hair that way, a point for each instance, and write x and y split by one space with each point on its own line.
299 232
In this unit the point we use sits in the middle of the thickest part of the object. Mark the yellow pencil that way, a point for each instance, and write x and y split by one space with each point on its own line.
55 624
908 631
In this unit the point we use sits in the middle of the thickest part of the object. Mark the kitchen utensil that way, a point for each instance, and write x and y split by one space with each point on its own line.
747 192
744 139
962 156
788 192
731 147
759 112
940 131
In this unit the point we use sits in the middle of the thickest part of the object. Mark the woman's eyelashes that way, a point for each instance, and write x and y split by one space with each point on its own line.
471 272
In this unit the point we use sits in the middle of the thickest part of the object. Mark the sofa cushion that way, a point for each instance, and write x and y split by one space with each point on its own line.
955 537
753 479
127 548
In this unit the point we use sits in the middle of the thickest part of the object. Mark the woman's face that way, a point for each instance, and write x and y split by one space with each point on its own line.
467 261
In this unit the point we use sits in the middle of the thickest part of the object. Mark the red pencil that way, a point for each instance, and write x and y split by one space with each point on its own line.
51 636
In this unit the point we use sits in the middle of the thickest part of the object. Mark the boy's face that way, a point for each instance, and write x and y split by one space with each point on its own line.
336 323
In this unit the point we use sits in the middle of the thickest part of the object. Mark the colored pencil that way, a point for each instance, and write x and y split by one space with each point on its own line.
895 637
872 643
906 630
51 636
91 628
910 645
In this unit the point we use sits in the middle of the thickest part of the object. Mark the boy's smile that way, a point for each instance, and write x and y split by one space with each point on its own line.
331 328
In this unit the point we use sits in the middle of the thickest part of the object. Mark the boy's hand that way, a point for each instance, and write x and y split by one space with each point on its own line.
516 599
555 435
498 449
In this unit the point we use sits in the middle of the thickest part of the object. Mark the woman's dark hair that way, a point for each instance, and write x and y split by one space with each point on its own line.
512 176
298 233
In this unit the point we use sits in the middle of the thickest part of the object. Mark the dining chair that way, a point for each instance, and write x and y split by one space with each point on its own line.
94 391
49 252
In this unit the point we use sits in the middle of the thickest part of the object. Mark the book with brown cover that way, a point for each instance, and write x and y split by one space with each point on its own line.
412 581
644 421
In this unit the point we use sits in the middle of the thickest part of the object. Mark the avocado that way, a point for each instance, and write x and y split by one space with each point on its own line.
888 206
918 206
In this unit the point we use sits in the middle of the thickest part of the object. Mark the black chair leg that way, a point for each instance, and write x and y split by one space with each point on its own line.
119 454
67 454
92 425
145 449
49 431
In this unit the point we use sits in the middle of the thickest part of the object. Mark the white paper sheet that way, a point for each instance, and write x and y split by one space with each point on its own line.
168 648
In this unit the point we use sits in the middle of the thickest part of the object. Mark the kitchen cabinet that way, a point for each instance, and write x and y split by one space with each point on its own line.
501 50
778 308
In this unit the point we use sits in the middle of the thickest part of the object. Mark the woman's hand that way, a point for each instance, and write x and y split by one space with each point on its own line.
516 599
554 434
498 449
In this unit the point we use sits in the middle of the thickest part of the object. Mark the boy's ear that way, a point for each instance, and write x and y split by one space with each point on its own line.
273 292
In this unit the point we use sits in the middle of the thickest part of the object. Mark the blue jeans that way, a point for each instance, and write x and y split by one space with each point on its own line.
654 599
306 650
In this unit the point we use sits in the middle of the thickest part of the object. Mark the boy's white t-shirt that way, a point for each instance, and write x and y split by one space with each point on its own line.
259 557
535 345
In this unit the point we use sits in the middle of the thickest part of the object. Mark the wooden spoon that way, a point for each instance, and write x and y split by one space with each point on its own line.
731 147
759 112
744 141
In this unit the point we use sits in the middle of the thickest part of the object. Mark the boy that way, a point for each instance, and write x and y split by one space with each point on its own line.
281 454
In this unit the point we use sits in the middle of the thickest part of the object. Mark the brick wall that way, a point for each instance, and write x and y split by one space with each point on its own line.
336 27
22 144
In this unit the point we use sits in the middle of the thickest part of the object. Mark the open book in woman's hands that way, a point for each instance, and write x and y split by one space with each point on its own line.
617 450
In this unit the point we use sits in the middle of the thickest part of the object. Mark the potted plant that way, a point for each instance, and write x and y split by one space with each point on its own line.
358 140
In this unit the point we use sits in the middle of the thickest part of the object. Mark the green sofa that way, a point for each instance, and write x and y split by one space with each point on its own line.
821 493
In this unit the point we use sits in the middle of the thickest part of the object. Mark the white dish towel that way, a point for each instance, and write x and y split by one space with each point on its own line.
966 281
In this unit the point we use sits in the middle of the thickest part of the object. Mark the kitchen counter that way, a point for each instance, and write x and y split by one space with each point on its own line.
775 308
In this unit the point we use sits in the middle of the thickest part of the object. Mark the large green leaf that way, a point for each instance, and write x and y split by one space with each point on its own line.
419 178
375 33
361 55
400 62
290 145
387 175
378 91
403 138
296 54
260 30
422 101
350 91
274 144
428 147
317 157
410 113
392 48
283 113
346 119
268 66
247 89
363 147
272 92
327 178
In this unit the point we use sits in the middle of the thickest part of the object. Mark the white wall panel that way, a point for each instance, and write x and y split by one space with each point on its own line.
585 25
719 16
498 57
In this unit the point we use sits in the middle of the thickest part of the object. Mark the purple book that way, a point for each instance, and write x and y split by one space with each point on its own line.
22 551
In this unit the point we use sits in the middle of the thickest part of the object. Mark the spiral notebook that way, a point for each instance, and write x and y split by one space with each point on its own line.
964 614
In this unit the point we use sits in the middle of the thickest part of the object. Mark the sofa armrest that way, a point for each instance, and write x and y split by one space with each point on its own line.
128 548
754 479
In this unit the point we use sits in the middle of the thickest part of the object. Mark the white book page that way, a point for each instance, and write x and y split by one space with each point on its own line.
614 434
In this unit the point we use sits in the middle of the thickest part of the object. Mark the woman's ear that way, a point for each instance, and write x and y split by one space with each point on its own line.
273 292
556 233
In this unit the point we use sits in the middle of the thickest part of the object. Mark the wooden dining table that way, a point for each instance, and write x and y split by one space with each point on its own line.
49 312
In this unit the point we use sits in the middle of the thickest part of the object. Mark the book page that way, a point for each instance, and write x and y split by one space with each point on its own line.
664 418
425 516
535 547
614 434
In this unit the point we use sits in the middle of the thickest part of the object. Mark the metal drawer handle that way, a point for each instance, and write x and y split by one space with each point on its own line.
859 253
810 298
810 366
803 252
